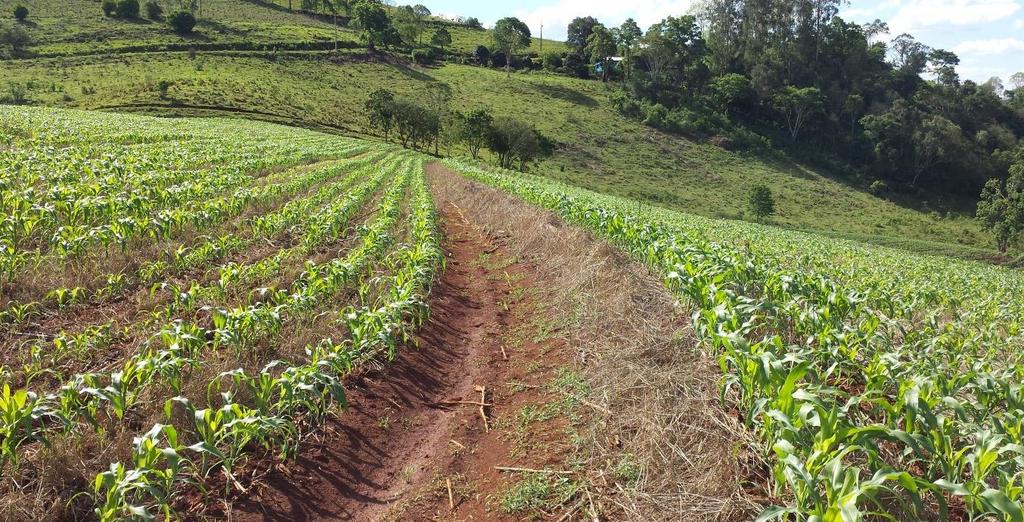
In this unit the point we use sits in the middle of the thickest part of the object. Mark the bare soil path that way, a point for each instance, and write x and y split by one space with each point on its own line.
411 429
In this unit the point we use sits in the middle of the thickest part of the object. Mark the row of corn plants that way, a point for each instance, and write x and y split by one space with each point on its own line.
333 205
877 391
63 191
205 249
283 399
96 399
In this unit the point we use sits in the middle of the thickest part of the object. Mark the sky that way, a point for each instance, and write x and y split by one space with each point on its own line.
987 35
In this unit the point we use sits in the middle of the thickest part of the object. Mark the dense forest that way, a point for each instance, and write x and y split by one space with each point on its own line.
793 74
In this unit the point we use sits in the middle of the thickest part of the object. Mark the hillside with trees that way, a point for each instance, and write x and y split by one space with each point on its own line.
690 114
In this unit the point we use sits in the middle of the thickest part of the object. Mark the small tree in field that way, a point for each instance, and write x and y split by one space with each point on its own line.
761 202
476 130
380 110
510 35
442 38
16 38
20 13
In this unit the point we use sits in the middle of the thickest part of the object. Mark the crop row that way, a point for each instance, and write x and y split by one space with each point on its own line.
343 201
872 394
270 409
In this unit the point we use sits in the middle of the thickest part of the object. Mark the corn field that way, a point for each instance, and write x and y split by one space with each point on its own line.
880 385
199 250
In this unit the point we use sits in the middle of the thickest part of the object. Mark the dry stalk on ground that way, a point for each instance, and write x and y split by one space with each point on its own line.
657 409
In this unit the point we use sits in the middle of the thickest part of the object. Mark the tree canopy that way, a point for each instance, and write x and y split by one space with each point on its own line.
510 35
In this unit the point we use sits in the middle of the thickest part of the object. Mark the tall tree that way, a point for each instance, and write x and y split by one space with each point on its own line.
600 48
579 31
373 20
510 35
797 106
628 37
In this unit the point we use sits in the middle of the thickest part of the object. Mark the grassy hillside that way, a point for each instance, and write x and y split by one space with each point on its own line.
596 148
79 27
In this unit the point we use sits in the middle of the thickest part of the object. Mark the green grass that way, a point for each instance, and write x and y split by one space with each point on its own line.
79 26
596 148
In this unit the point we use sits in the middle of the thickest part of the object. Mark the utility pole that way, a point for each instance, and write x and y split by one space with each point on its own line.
542 38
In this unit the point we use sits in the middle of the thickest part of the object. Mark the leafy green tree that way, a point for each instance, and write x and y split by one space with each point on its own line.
674 50
380 110
761 202
575 64
417 126
936 141
731 93
1001 208
17 38
442 38
513 141
510 35
628 36
908 54
578 32
797 106
476 130
472 23
109 7
943 65
20 13
374 22
601 47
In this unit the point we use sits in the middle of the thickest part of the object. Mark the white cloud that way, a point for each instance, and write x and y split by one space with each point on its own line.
557 15
1019 24
916 14
994 46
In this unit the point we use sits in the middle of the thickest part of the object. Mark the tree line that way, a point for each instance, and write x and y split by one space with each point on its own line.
791 75
426 128
763 75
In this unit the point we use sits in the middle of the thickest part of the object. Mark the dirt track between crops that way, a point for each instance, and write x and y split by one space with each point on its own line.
392 454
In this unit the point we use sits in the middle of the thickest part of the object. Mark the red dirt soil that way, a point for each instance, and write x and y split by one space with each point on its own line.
392 454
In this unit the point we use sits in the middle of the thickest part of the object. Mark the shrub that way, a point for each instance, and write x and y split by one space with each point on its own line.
18 93
182 22
423 56
164 86
153 10
552 61
878 187
127 8
656 116
482 54
109 7
576 65
21 13
498 60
